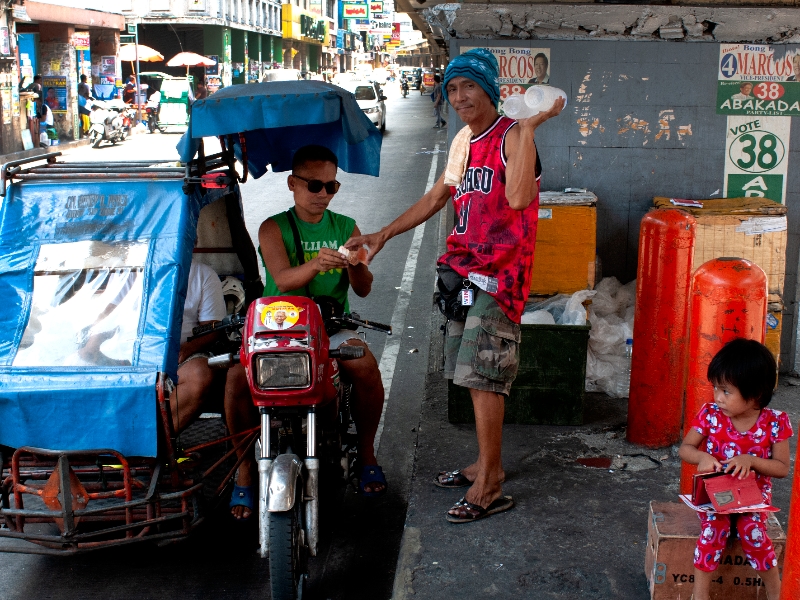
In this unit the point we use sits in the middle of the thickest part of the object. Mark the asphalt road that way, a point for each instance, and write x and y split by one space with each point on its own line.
360 537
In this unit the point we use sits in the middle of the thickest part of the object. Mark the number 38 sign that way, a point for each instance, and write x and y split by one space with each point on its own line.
756 157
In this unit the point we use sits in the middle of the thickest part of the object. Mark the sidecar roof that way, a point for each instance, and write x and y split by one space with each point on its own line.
93 407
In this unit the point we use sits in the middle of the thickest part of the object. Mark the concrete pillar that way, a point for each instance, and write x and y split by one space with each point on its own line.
238 59
59 73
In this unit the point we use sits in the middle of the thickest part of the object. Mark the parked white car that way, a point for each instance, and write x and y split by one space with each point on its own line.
370 99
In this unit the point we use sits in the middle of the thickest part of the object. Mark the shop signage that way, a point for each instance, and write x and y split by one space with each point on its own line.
375 8
758 80
381 27
396 32
353 10
359 25
757 157
312 28
80 40
5 45
19 13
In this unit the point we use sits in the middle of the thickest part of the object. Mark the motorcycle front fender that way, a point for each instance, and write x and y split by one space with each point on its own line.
287 469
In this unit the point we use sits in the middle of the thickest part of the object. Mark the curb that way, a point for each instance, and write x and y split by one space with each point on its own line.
4 158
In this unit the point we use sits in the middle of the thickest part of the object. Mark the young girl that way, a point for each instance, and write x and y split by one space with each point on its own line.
738 434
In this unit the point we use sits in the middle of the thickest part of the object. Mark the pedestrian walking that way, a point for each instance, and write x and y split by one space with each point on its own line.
496 200
438 102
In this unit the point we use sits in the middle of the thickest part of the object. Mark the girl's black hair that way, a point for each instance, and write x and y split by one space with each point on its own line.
748 365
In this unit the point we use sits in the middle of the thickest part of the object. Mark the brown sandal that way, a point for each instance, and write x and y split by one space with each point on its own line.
451 479
468 512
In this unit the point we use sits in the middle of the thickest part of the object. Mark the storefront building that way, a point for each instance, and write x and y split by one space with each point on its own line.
244 38
304 35
60 43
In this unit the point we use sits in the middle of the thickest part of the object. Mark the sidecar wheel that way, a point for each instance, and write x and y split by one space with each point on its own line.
288 554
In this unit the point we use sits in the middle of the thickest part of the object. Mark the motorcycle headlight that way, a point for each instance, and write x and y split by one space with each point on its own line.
283 370
368 111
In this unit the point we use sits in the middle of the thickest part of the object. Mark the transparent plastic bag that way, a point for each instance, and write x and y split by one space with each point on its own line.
574 311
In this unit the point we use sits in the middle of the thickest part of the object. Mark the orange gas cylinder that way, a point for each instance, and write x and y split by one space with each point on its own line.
666 252
728 301
790 583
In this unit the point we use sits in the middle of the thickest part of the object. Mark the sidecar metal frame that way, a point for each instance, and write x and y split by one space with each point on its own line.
79 497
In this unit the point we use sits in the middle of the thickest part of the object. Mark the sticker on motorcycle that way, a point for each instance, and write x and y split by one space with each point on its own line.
280 315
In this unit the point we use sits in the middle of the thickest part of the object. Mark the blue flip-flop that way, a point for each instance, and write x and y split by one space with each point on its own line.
243 496
372 474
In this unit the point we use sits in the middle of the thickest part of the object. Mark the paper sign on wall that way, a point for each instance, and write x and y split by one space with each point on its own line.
757 157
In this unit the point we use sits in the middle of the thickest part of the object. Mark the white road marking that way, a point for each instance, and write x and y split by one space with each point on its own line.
392 348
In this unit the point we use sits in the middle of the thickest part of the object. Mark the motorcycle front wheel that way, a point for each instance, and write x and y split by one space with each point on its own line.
288 553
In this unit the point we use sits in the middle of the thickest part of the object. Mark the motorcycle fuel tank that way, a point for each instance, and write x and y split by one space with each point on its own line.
285 353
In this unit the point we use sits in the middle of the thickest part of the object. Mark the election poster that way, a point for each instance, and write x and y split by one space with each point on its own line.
520 68
757 157
55 93
758 80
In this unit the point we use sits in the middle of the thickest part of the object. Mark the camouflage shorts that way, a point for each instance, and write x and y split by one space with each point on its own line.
482 353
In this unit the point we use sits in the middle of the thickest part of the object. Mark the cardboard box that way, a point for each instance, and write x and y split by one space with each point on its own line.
672 534
751 228
566 243
773 339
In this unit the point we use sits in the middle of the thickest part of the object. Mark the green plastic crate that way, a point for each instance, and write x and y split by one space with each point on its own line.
549 388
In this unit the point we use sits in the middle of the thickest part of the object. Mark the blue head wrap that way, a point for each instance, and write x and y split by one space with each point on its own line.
480 66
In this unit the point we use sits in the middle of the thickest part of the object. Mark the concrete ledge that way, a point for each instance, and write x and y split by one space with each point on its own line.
4 158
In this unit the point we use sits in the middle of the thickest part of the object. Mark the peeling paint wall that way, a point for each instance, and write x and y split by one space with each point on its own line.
640 123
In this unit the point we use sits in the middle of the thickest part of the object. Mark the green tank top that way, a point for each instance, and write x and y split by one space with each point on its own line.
331 232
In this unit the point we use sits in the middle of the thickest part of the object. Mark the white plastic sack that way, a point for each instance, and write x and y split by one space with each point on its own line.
626 297
538 317
574 312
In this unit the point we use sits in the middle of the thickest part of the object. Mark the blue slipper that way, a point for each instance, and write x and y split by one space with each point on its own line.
243 496
372 474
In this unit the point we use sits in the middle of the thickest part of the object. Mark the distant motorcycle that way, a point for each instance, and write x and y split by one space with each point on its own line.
151 110
106 124
404 88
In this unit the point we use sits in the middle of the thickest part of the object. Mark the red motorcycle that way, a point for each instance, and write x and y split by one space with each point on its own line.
295 382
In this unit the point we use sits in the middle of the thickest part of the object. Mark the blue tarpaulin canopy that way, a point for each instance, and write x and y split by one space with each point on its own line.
93 281
279 117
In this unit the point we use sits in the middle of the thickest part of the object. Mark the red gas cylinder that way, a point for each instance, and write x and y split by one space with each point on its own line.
790 584
666 252
729 301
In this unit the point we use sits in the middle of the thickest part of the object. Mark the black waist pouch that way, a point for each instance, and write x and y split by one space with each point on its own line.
448 296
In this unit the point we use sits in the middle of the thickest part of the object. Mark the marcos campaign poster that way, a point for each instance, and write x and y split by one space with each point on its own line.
758 80
520 68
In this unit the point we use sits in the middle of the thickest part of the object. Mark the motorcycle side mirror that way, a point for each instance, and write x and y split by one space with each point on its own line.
383 97
342 353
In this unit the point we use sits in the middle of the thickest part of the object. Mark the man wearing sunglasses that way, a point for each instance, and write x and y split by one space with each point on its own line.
323 271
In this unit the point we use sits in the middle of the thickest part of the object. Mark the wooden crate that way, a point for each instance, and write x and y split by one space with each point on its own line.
749 228
672 533
566 244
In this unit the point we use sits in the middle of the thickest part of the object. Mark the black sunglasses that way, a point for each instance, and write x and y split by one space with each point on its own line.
315 185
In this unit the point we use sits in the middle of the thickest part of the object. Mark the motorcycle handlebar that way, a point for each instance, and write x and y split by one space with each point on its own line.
354 319
223 361
229 323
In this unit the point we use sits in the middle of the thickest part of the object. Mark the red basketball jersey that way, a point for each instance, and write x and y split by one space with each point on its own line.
490 238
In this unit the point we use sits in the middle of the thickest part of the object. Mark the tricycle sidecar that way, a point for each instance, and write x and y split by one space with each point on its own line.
94 261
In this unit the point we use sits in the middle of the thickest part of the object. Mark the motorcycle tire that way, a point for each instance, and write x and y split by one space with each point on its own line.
151 125
288 554
95 140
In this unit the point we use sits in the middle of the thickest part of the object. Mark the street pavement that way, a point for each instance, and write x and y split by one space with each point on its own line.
360 538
